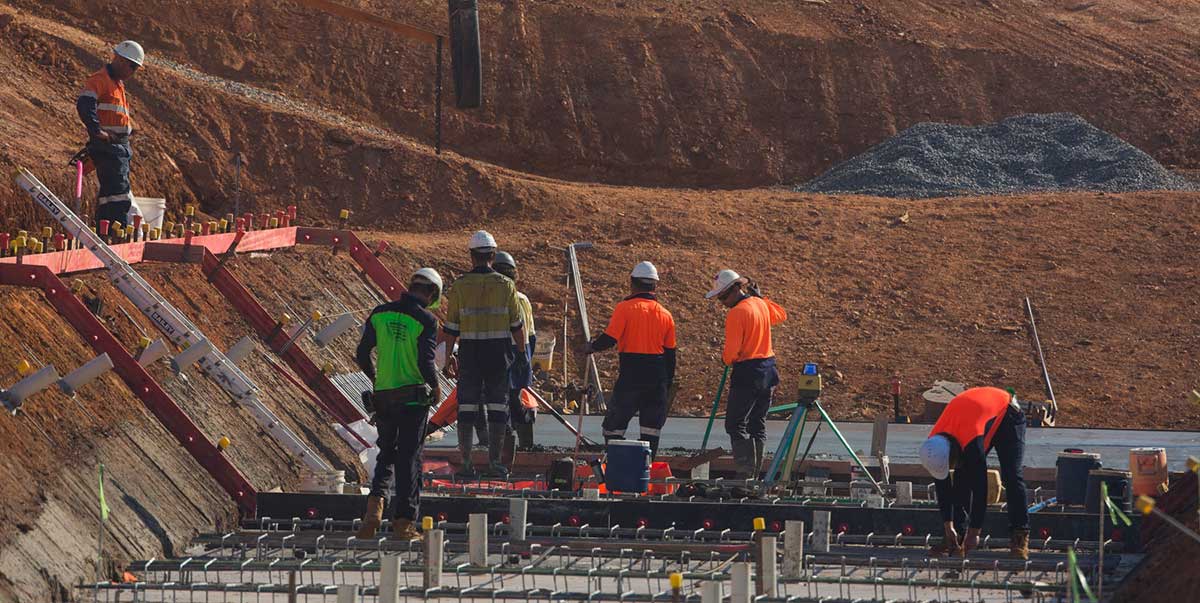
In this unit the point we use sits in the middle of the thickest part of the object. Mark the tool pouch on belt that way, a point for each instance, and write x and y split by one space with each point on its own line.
409 395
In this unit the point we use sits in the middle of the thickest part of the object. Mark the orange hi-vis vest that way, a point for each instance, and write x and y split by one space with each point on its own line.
112 104
641 325
975 413
748 329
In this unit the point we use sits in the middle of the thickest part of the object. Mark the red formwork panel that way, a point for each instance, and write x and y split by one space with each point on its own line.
365 257
80 260
139 381
266 326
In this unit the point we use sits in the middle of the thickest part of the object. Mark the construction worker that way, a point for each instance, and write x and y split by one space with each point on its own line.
484 316
103 106
520 416
644 333
753 375
975 421
404 335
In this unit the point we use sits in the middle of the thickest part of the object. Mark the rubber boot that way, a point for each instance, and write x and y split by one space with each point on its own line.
1018 545
525 436
496 433
403 529
372 519
481 429
743 457
759 447
465 435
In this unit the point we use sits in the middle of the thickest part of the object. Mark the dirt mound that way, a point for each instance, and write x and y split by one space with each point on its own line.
698 93
1026 153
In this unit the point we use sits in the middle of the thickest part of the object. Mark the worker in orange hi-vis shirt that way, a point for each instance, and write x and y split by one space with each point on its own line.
754 376
644 333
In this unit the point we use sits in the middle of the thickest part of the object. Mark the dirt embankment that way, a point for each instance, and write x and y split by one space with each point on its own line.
666 94
159 496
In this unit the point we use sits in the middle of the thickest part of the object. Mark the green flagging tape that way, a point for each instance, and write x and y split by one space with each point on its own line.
1114 511
1078 581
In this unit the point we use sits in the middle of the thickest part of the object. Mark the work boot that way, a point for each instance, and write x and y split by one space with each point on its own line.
496 432
1018 544
525 436
372 519
466 432
403 529
743 457
759 447
509 454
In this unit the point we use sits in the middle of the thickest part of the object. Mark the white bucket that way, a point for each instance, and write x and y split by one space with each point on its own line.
329 483
152 210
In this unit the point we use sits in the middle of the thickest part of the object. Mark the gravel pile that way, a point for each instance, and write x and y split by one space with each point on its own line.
1026 153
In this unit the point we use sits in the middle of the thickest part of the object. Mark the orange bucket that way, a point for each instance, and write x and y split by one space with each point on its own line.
660 470
1149 469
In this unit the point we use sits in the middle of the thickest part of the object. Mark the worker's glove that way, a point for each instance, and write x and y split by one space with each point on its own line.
367 402
672 391
425 395
521 364
752 288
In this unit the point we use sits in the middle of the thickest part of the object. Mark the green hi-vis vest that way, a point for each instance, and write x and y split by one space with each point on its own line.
396 336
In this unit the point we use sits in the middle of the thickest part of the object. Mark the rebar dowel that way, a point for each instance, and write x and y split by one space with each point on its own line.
437 108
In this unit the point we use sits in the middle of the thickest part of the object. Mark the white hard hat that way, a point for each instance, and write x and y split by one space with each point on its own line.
482 241
935 456
131 50
504 258
431 276
724 279
645 270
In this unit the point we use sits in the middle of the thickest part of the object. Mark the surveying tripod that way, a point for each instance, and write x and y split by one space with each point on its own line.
809 400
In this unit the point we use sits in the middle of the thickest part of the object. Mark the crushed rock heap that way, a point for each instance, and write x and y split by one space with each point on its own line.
1025 153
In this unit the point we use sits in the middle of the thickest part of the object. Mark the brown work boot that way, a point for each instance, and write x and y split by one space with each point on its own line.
403 529
945 548
1018 545
373 518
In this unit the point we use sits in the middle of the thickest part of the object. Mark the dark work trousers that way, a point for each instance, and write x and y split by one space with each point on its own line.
112 170
751 385
647 400
1009 443
401 437
483 379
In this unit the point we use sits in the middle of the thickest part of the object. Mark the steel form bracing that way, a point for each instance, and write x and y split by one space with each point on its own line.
272 333
139 381
174 325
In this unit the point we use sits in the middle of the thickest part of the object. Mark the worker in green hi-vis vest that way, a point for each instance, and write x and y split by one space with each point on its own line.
403 334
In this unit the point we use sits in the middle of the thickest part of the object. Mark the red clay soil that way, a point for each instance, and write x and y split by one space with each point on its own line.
939 297
699 92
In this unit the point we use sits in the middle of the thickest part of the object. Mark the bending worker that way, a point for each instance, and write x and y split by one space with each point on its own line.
644 333
404 334
975 421
103 107
483 312
753 377
520 416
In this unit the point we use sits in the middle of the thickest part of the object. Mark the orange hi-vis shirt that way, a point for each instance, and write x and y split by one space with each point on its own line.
112 104
641 325
748 329
975 413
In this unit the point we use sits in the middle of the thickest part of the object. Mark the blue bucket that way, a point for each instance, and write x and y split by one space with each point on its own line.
628 467
1071 483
